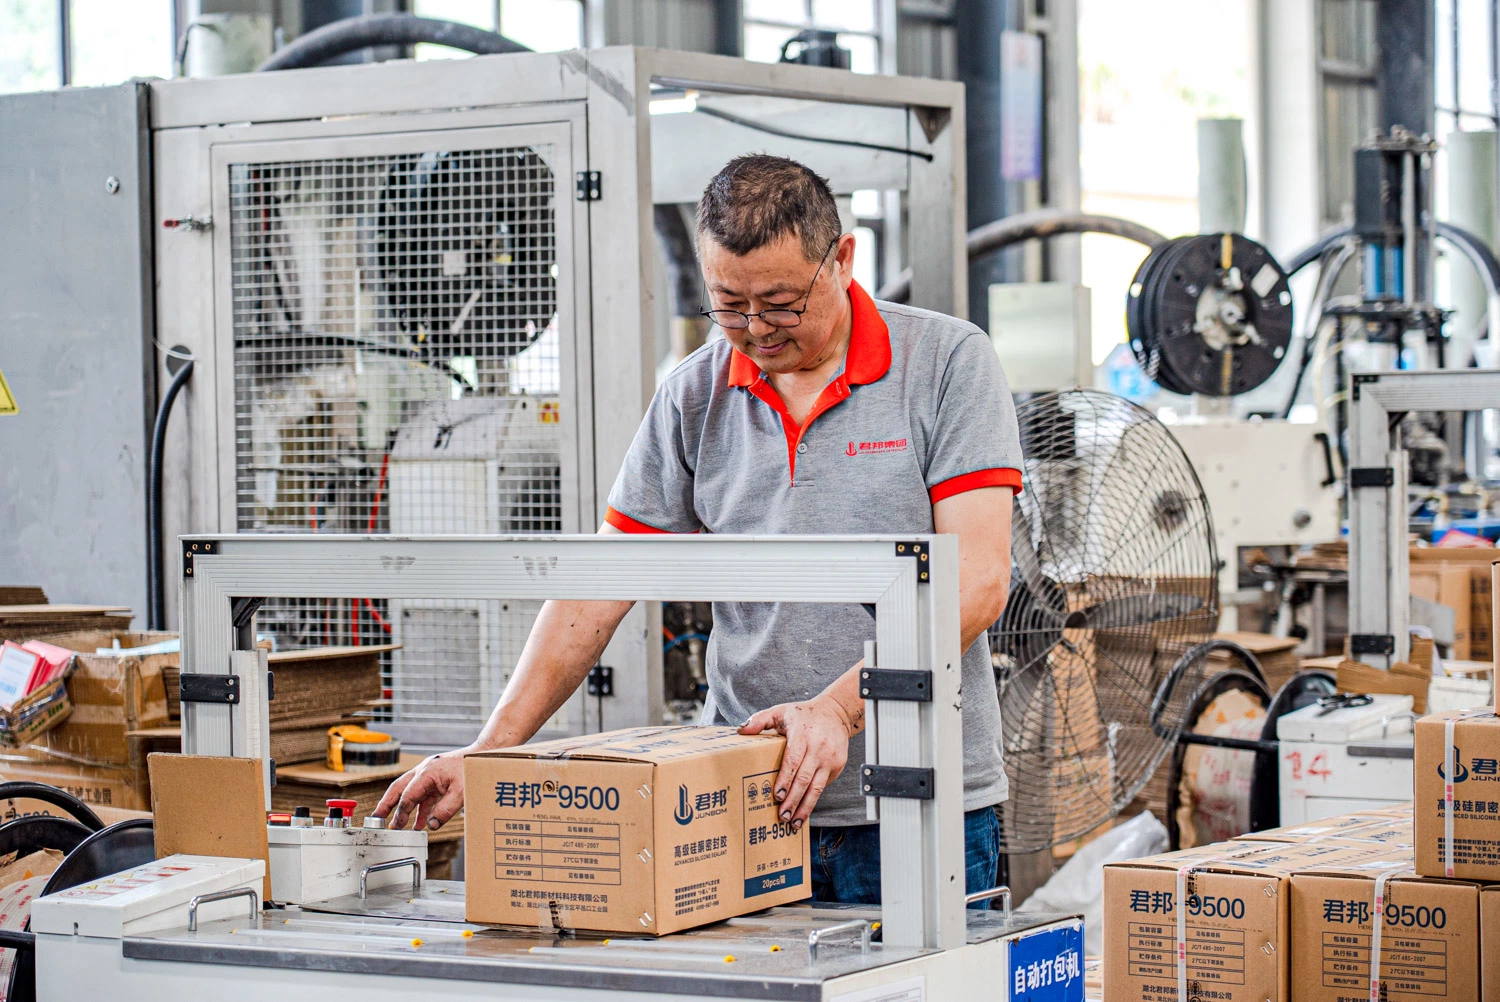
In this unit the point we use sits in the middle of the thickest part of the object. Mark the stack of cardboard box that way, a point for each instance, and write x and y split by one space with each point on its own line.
316 689
1287 915
1400 904
96 754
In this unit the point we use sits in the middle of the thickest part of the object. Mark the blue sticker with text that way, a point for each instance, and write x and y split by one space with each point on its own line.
1047 966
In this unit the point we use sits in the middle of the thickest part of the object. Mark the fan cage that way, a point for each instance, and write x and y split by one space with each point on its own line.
397 369
1114 579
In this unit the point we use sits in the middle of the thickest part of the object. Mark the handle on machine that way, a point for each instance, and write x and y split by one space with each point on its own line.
862 926
233 892
392 864
1003 891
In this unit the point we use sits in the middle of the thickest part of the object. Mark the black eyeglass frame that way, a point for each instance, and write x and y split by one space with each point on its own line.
796 315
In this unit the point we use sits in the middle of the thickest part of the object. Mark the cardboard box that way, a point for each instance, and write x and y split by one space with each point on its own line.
1476 795
1489 941
1448 585
1429 937
124 786
1238 937
29 622
1401 680
112 695
1476 562
651 830
1361 826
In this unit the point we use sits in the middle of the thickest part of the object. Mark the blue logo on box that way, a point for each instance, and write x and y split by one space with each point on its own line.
684 813
1047 966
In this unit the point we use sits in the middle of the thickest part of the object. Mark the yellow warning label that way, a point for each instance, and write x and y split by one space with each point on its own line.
7 399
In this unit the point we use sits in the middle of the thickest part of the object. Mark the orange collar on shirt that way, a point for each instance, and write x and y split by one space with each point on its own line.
869 356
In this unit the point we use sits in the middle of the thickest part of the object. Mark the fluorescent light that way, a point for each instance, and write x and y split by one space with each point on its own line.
688 102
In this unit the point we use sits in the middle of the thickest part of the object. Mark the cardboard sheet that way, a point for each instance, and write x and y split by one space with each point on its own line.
207 805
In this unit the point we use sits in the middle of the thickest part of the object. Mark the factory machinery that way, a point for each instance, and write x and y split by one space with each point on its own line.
418 297
187 924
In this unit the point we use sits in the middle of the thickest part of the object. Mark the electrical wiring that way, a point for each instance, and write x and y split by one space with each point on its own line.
772 130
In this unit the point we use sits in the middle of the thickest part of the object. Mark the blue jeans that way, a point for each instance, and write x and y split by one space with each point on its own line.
846 860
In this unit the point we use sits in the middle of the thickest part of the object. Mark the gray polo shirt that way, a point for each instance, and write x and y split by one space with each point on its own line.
920 412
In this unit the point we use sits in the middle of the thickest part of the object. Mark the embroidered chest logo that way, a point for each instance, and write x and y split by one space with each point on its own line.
869 448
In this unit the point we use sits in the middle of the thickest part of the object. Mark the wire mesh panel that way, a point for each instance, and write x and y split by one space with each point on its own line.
397 369
1114 578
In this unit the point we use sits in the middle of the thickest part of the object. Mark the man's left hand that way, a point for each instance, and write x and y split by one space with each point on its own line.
817 747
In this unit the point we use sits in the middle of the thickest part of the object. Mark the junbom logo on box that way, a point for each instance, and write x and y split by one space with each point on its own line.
702 805
1481 770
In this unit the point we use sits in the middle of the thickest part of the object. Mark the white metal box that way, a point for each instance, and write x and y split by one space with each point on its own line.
1350 759
150 897
316 864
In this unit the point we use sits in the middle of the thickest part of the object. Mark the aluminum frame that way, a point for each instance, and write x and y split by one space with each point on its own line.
602 99
1379 572
916 628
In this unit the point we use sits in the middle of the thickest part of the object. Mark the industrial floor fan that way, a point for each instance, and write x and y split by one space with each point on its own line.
1114 592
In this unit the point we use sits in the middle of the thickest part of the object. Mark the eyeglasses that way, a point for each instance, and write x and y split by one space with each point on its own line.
780 316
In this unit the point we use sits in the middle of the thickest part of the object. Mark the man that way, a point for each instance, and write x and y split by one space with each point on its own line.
819 412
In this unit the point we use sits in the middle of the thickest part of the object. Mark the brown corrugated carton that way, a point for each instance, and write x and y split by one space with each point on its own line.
1362 826
112 695
1476 795
1429 944
1236 920
127 786
651 830
1447 584
1489 942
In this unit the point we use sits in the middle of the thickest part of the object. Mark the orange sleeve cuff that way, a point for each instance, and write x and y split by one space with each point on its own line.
973 481
627 524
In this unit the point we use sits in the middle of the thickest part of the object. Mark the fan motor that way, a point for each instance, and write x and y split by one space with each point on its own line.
467 246
1209 314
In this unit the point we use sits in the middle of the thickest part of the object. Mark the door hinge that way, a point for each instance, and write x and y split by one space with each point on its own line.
1372 643
895 683
197 687
1372 476
586 185
899 781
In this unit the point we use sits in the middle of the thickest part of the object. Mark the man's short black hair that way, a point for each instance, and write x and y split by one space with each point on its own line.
758 199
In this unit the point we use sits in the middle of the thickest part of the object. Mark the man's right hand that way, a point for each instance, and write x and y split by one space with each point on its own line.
429 794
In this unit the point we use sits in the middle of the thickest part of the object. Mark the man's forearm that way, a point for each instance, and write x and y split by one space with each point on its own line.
564 644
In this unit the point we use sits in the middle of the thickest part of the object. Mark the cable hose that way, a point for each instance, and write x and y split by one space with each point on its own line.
355 33
1039 225
156 617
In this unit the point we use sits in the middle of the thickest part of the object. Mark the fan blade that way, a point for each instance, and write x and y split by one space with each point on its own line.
1134 610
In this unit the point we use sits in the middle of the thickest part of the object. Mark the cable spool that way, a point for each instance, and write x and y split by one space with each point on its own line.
1209 314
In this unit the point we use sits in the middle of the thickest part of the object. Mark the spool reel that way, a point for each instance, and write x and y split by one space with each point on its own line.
1209 314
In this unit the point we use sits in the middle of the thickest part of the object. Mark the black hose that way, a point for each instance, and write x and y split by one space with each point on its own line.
155 578
1189 659
1469 244
1039 225
355 33
1476 250
1308 255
